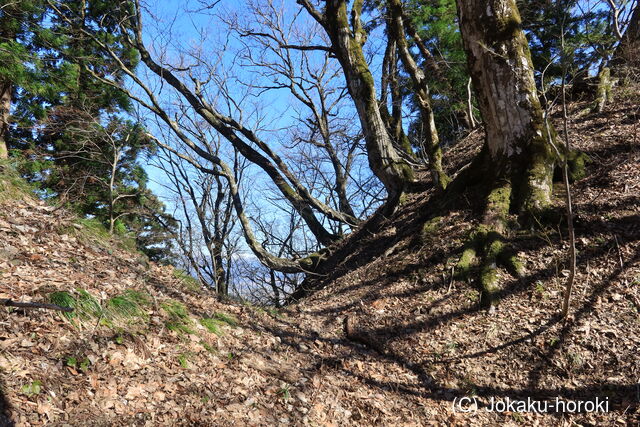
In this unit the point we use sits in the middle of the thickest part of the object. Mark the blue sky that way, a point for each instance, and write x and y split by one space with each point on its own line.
176 27
189 27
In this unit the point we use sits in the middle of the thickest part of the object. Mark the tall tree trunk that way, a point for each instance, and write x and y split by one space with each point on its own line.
222 284
347 41
421 90
389 79
7 34
274 288
502 72
396 108
516 163
5 108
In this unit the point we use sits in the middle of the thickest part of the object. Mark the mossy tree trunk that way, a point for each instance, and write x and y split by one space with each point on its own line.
347 38
516 164
396 110
390 80
221 223
421 90
222 283
7 34
603 91
502 73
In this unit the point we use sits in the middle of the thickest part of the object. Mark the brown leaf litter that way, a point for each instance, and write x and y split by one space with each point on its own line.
392 337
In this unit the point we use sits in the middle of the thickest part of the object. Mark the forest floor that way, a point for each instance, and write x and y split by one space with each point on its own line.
391 336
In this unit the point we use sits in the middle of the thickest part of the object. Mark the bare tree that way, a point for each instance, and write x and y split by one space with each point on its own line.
192 88
627 51
286 58
206 218
347 35
286 238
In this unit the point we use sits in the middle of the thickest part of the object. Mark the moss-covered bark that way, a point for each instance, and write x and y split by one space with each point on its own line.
515 167
5 107
577 162
312 261
7 34
484 253
502 73
487 249
421 90
347 38
603 91
390 81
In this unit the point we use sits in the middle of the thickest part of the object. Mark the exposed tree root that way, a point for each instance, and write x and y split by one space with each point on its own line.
487 249
603 90
577 162
485 252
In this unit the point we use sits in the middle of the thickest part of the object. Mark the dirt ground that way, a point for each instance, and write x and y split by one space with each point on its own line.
389 336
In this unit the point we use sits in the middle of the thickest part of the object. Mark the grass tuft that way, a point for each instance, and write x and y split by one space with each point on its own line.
179 320
64 299
212 325
188 282
93 230
226 318
87 306
12 185
125 306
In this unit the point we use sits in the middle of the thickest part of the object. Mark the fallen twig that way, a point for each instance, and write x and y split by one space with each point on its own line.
46 306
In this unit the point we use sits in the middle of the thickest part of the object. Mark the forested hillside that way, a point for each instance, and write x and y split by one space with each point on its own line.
319 212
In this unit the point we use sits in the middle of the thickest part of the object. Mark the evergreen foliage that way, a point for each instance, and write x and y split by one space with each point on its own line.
586 32
68 127
436 23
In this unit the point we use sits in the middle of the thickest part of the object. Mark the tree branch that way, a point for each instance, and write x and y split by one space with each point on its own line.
46 306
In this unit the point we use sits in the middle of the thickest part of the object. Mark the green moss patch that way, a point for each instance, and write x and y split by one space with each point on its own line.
429 229
577 162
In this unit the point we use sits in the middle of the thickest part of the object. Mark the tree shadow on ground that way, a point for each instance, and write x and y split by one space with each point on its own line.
620 396
5 407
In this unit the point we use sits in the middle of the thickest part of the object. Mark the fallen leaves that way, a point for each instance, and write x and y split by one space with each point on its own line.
413 338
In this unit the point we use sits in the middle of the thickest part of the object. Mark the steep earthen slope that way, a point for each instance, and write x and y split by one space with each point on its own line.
391 337
144 347
401 298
